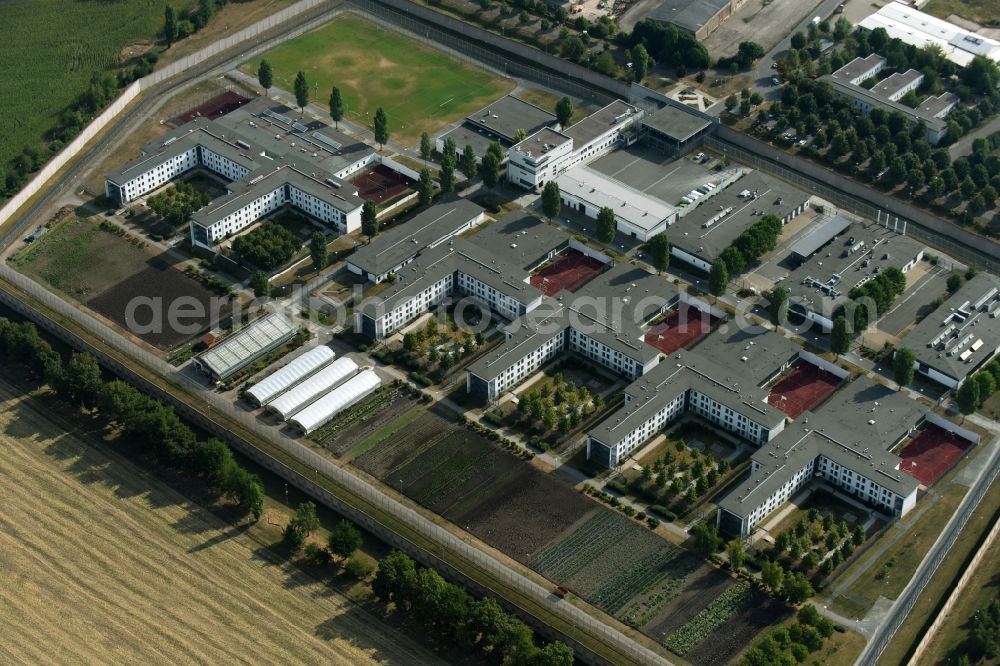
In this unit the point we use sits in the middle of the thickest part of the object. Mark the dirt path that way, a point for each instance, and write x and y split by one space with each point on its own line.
100 563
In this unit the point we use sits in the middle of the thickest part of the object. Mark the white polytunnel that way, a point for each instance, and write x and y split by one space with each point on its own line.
271 387
320 412
305 392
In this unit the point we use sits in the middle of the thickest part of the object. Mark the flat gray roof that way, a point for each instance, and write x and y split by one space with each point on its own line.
519 239
874 99
857 67
639 209
821 234
856 428
939 105
267 179
598 123
535 142
406 240
509 114
678 124
281 131
690 234
962 332
729 367
692 15
467 134
199 131
830 273
895 82
611 309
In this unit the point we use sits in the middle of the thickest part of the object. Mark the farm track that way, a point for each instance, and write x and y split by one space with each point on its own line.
104 563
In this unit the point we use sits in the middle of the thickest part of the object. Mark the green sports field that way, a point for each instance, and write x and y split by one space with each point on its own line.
420 88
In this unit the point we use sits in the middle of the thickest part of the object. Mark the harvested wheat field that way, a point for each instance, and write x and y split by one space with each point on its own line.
101 563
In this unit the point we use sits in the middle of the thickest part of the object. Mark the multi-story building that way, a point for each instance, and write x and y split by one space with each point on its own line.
270 161
545 154
721 381
848 81
961 336
847 443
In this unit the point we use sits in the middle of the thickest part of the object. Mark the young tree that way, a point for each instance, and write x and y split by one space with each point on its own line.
840 337
169 25
317 250
260 284
467 163
551 203
737 556
606 224
778 306
369 219
520 134
425 190
426 147
301 91
336 107
640 62
447 174
718 278
706 539
773 576
967 397
564 111
731 103
381 127
658 249
902 366
489 170
265 77
344 539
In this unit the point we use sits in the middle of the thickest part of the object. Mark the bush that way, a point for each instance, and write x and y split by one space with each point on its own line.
360 566
617 486
652 522
421 378
267 247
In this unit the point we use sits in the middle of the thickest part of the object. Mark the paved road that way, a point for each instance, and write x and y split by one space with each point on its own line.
964 145
904 603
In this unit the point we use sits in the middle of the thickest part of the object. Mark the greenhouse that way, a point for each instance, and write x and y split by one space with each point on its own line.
306 391
271 387
324 409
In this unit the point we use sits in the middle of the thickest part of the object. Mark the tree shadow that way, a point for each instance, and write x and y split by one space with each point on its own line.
229 533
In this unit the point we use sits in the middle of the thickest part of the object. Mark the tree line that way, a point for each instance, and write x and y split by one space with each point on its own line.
454 617
147 425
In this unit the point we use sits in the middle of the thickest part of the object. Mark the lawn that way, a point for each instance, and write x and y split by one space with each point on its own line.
420 88
107 563
981 11
55 41
886 574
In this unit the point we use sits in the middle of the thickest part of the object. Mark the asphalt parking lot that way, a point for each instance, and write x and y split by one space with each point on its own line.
916 300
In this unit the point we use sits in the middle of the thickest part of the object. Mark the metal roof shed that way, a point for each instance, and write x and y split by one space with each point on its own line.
280 381
820 236
246 346
324 409
308 390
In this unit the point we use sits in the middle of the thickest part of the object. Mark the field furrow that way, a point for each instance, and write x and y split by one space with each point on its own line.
101 563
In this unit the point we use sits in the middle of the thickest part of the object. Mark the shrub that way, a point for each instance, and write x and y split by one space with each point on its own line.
360 566
617 486
421 378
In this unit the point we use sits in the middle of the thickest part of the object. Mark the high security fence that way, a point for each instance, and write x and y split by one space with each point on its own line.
443 540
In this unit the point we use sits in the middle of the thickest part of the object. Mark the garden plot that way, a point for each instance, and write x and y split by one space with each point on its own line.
362 420
701 586
473 483
728 639
723 608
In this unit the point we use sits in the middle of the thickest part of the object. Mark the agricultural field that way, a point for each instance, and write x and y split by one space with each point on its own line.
48 41
365 419
420 88
475 484
101 267
105 563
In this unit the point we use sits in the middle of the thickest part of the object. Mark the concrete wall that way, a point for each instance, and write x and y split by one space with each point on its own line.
857 197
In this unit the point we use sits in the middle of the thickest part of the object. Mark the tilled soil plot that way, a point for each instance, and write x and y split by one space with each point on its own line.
726 641
384 459
700 591
341 436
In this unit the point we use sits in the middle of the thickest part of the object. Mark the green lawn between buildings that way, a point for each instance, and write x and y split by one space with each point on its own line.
420 88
